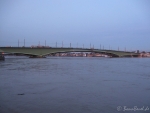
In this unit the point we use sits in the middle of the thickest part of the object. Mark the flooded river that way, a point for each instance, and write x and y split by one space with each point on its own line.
74 85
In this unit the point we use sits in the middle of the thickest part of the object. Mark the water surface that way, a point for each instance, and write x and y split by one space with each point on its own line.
73 85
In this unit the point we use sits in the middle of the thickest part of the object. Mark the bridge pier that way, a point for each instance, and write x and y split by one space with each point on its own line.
36 56
2 57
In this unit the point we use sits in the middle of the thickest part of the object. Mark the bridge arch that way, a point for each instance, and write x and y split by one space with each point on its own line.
45 51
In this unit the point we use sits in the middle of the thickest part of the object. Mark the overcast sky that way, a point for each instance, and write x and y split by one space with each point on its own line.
109 23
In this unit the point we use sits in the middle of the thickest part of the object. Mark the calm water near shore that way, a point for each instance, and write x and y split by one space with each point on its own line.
74 85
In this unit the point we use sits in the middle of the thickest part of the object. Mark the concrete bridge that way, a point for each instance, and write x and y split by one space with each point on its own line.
43 51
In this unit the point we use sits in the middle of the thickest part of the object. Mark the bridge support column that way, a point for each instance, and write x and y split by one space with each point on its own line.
37 56
2 57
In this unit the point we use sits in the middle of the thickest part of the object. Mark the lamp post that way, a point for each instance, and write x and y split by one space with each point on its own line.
18 42
24 42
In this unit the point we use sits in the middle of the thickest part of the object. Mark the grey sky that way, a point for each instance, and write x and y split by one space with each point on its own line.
114 23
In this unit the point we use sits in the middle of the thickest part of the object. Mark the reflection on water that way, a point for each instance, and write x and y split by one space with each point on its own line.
73 85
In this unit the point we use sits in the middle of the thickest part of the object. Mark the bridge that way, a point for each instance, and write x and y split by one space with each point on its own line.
43 51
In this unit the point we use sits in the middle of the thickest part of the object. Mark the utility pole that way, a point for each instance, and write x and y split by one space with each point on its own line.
70 45
45 42
56 44
62 44
90 45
